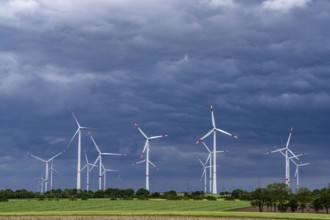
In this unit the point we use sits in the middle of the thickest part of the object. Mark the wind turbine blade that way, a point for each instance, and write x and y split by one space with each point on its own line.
159 136
212 115
94 164
225 132
140 161
205 136
144 149
136 125
203 173
57 172
295 156
72 138
98 149
84 167
110 170
208 149
38 158
304 164
208 158
220 151
295 174
86 128
75 119
153 164
200 162
287 143
278 150
86 158
111 154
55 156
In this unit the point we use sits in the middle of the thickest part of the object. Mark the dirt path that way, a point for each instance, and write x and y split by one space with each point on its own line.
114 218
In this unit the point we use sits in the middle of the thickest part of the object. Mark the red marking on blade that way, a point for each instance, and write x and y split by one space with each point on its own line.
211 108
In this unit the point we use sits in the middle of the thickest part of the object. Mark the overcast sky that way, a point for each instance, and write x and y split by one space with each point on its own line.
263 64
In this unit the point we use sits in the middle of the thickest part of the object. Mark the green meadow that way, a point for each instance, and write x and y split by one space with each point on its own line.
102 207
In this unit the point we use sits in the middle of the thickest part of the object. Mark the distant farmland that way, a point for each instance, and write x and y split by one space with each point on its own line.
106 209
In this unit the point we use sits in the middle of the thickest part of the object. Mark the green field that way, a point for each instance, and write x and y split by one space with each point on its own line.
98 207
14 206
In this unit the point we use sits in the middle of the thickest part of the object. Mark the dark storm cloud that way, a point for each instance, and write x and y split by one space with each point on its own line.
262 64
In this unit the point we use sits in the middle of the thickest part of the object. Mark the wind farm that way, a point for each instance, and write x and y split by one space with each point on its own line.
129 93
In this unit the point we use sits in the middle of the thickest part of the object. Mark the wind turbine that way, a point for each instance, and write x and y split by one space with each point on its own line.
87 167
104 174
51 174
204 170
286 154
147 148
292 157
99 158
214 131
210 163
79 129
47 167
297 171
118 179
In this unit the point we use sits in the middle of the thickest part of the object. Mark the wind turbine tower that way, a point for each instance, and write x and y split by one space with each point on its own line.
297 171
104 174
286 153
99 158
46 167
87 167
51 174
147 150
214 131
204 174
79 129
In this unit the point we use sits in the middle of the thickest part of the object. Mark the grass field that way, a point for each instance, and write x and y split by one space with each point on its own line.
106 207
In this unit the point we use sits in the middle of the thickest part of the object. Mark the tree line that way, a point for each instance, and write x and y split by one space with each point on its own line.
279 197
111 193
274 197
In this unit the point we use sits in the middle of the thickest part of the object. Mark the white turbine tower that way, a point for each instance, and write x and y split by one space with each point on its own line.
104 174
292 157
297 171
210 156
80 128
87 167
47 166
286 154
147 148
51 174
214 131
204 174
99 158
118 179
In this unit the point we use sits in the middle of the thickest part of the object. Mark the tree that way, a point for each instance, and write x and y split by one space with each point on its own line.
293 203
142 193
317 204
3 197
171 195
325 199
240 194
258 198
280 194
304 197
128 193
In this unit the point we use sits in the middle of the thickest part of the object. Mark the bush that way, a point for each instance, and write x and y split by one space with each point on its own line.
142 193
3 198
229 198
211 198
